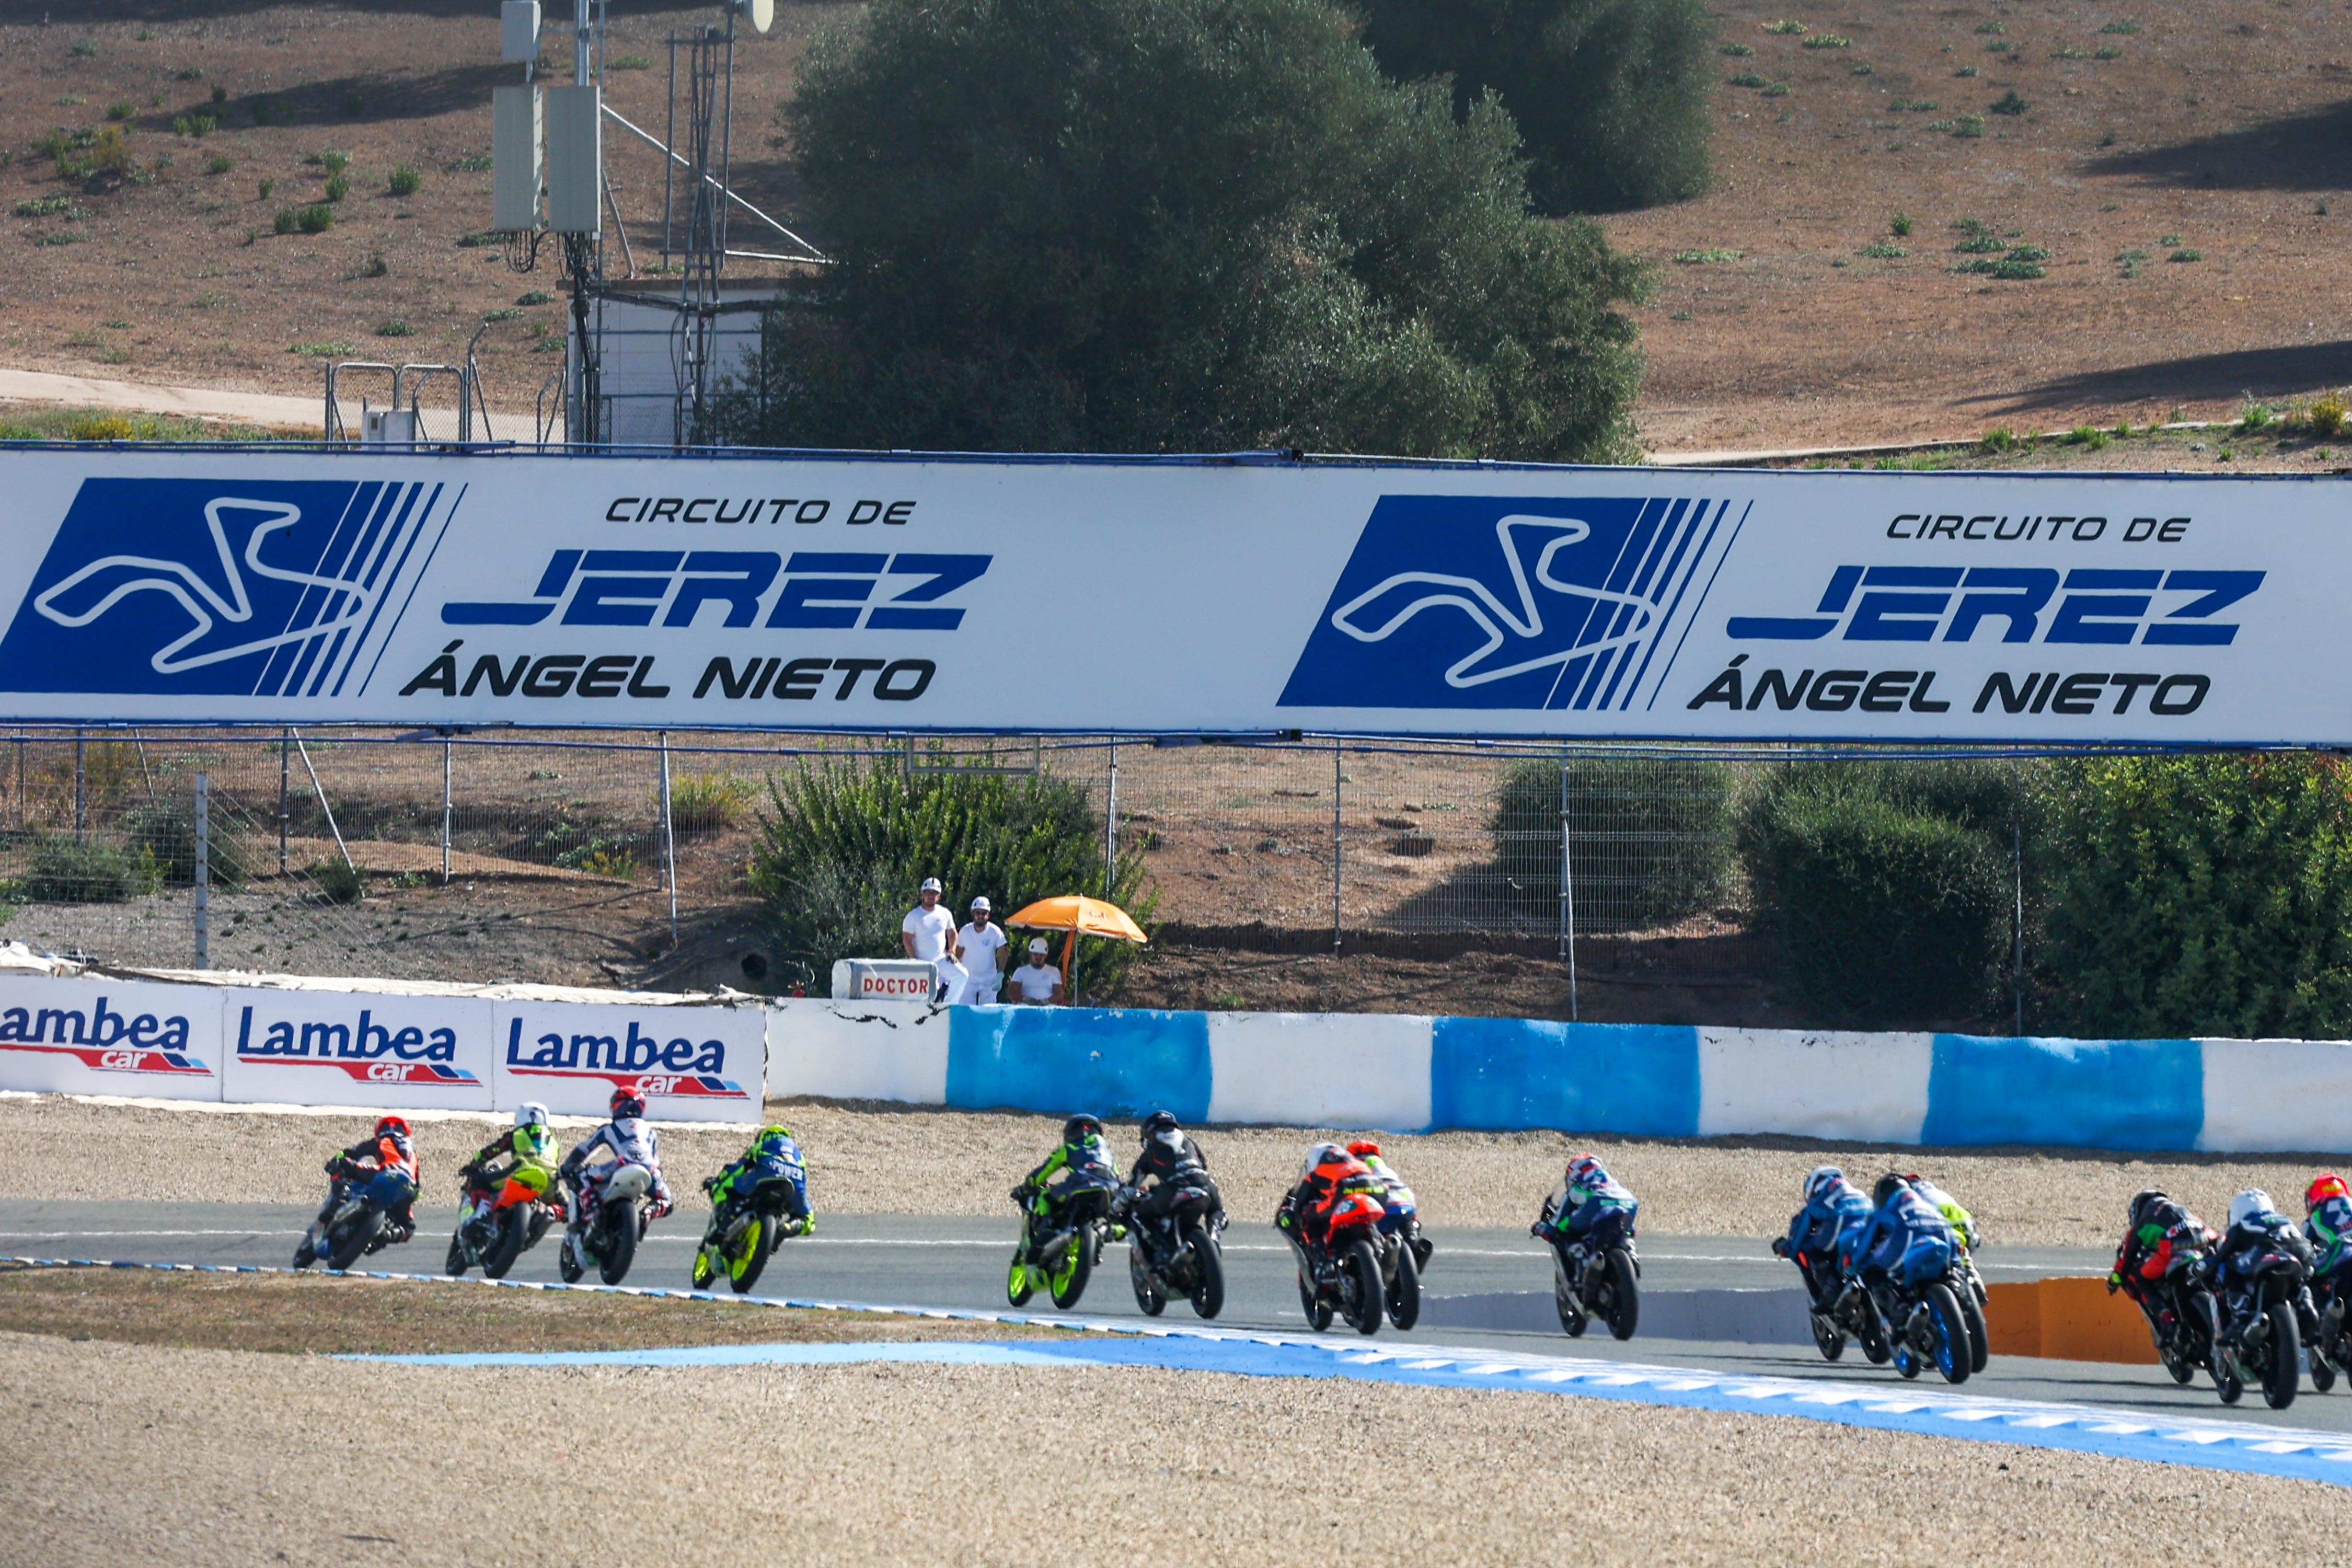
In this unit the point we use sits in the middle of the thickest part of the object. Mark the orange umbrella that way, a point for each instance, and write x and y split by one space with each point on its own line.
1077 914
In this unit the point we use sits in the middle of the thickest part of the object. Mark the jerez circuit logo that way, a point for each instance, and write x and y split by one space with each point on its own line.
184 586
1452 602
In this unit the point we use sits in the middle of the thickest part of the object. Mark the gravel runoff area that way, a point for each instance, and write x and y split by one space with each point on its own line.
870 1158
127 1454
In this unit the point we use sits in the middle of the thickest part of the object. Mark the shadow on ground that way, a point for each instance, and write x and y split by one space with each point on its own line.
2256 373
2310 151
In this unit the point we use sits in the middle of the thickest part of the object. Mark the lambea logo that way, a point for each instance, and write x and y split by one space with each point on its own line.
1462 602
198 586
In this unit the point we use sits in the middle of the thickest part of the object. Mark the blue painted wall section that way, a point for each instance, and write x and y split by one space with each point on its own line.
2089 1094
1113 1062
1508 1074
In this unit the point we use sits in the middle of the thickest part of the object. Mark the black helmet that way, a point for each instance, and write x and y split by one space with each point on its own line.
2144 1206
1886 1187
1159 1122
1081 1126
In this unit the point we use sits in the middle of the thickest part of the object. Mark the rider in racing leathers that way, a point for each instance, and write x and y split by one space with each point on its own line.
1082 1160
1963 1223
522 1158
2255 1227
774 1153
2328 1203
2162 1243
1329 1170
386 1163
1171 1161
1906 1239
1586 1194
1823 1231
630 1142
1366 1151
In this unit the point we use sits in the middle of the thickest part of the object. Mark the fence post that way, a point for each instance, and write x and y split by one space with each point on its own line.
204 877
1336 777
1567 895
2017 918
448 753
285 777
669 841
79 744
1110 828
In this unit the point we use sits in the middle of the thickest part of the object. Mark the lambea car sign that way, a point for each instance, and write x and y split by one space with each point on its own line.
1181 595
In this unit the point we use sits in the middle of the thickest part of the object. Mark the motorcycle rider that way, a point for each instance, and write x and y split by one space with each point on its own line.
1586 1194
774 1153
1305 1211
1366 1151
2162 1243
1082 1159
527 1152
2327 1202
1906 1239
384 1164
630 1142
1823 1231
1963 1223
2255 1227
1172 1161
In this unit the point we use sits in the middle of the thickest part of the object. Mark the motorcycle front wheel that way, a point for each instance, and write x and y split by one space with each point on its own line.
620 1248
1208 1275
1573 1321
743 1270
1019 1283
1149 1296
1362 1266
506 1241
1311 1303
1405 1290
1951 1334
354 1242
2283 1358
567 1259
1069 1278
1623 1312
1979 1334
454 1264
1828 1338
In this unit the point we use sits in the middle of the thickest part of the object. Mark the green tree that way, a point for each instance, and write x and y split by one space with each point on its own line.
840 847
2208 895
1175 225
1611 95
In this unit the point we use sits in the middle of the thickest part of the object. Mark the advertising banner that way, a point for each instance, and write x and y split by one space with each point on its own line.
110 1037
1201 596
382 1051
690 1063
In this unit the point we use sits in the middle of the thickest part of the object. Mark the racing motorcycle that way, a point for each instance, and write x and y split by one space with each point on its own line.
1847 1312
1179 1256
2266 1301
1926 1326
1342 1276
518 1211
1060 1250
1596 1275
608 1238
742 1234
362 1220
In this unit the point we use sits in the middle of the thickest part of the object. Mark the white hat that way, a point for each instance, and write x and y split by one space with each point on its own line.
1037 944
930 885
982 902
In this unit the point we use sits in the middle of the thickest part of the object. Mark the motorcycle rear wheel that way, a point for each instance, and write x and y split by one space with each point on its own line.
506 1241
1405 1290
355 1241
620 1247
2282 1359
1208 1275
1362 1265
1149 1296
1624 1314
1069 1283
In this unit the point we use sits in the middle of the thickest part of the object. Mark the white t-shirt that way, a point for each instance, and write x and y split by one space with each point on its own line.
979 949
1035 982
932 929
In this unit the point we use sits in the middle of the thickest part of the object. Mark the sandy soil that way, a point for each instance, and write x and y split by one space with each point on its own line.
869 1159
241 1459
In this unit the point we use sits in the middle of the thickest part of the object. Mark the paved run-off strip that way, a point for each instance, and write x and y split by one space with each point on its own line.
1895 1407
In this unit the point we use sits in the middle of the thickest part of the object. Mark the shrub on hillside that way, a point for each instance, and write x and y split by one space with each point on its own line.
1174 225
1610 96
61 871
1889 887
164 831
841 849
1650 839
2208 895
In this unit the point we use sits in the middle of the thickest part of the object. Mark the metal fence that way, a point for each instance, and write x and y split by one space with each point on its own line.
464 855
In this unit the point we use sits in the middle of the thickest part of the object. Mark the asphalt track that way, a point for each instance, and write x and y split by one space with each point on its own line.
960 1262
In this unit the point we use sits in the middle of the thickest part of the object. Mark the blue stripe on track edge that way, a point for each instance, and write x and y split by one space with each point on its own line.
2201 1442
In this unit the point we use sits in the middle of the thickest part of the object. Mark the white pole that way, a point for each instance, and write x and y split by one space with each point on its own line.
448 753
204 869
669 841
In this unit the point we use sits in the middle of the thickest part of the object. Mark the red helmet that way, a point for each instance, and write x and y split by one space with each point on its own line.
2326 1185
625 1103
392 1125
1363 1148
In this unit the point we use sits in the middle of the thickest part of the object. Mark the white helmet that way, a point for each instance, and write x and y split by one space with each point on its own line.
1320 1153
1817 1180
531 1113
2249 1204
